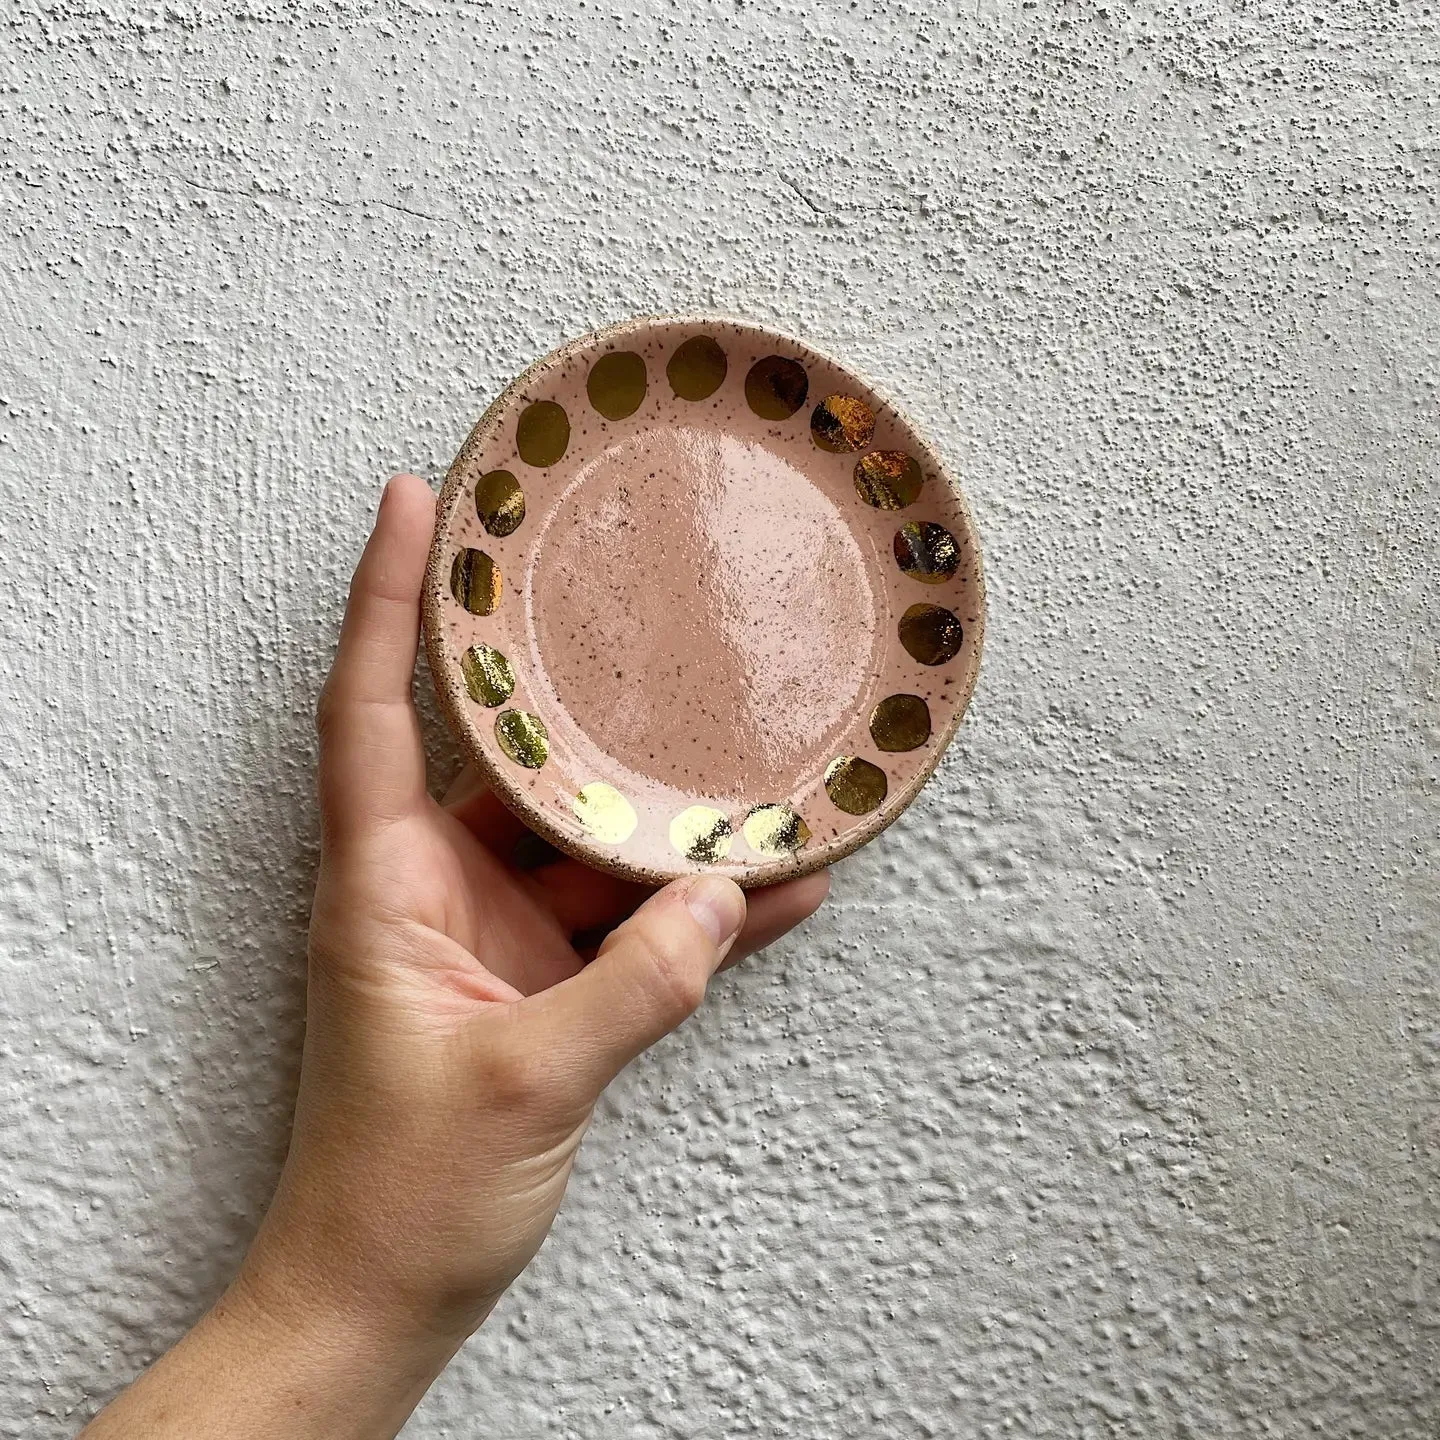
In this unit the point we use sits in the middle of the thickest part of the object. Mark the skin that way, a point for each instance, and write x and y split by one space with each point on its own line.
456 1044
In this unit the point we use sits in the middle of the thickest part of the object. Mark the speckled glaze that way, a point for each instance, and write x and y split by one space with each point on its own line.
700 603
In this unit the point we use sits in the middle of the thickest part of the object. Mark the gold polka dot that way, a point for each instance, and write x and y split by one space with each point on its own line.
701 834
697 368
854 785
888 479
475 581
775 830
840 423
488 676
605 813
900 722
499 502
523 737
542 433
776 387
930 633
927 552
617 384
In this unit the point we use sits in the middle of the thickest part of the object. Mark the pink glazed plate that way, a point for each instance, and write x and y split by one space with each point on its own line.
700 599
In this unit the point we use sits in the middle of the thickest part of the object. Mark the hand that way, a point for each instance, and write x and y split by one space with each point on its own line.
457 1040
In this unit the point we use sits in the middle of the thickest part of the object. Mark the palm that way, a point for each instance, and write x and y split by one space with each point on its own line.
450 868
444 873
461 881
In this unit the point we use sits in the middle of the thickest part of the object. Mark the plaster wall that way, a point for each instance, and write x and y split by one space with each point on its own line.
1102 1098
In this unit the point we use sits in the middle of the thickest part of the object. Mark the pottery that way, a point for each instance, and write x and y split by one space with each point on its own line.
701 599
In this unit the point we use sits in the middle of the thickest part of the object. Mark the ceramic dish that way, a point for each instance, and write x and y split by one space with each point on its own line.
699 598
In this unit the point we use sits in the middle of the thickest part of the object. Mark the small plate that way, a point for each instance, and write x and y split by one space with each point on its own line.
700 599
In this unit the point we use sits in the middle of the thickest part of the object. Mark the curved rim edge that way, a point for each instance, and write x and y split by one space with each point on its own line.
454 705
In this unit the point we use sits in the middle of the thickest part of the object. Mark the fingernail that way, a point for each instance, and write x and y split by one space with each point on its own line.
718 905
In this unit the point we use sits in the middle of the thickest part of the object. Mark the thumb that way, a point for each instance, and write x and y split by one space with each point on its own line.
649 975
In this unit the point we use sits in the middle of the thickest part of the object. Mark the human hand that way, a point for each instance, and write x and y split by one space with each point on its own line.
456 1044
456 1040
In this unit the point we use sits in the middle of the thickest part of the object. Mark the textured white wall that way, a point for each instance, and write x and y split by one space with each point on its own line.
1102 1100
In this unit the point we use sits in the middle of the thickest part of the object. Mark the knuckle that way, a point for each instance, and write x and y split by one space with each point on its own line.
517 1079
680 987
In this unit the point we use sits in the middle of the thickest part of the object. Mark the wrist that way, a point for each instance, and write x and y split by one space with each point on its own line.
271 1358
327 1262
353 1370
331 1314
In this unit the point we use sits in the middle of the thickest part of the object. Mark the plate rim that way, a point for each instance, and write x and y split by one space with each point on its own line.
454 704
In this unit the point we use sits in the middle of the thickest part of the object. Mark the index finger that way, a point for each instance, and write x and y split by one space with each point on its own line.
372 760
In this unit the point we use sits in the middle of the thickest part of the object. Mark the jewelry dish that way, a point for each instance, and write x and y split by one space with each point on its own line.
701 599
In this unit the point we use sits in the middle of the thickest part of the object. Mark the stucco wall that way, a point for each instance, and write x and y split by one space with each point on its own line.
1102 1099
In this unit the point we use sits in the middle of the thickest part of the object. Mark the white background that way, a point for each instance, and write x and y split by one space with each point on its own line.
1102 1099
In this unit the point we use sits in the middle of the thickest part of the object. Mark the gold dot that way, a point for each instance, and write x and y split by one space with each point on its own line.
776 387
488 676
854 785
475 581
499 502
927 552
840 423
930 633
697 368
523 737
888 479
617 384
605 813
775 830
542 433
900 722
701 834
